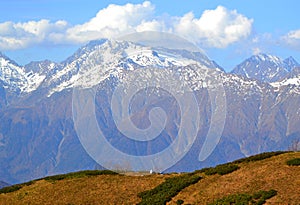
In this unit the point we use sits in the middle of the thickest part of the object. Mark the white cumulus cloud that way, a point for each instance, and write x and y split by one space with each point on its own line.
292 39
256 51
22 35
112 21
215 28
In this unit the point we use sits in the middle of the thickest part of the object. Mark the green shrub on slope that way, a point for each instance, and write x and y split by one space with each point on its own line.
259 157
59 177
164 192
257 198
293 162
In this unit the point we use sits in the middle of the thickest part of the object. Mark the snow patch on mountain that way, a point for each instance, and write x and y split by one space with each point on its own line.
34 80
288 81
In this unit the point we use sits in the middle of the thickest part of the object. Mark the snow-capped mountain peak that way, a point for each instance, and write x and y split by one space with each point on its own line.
11 74
267 57
291 63
263 67
102 59
23 79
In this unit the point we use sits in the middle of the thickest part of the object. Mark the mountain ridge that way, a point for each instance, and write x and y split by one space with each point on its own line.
37 71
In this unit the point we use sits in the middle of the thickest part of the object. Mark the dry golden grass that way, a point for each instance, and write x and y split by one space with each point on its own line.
272 173
103 189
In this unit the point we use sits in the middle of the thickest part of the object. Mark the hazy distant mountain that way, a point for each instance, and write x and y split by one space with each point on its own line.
3 184
37 135
291 63
265 68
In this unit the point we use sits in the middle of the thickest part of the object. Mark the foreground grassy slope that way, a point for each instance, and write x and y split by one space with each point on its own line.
267 174
250 177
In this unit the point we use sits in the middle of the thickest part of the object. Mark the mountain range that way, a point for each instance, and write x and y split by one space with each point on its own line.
37 131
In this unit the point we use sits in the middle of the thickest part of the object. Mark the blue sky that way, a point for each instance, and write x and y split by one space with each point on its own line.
228 31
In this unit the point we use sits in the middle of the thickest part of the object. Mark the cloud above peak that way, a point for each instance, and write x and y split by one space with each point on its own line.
214 28
111 21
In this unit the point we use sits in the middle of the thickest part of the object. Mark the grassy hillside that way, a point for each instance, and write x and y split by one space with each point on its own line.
264 178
